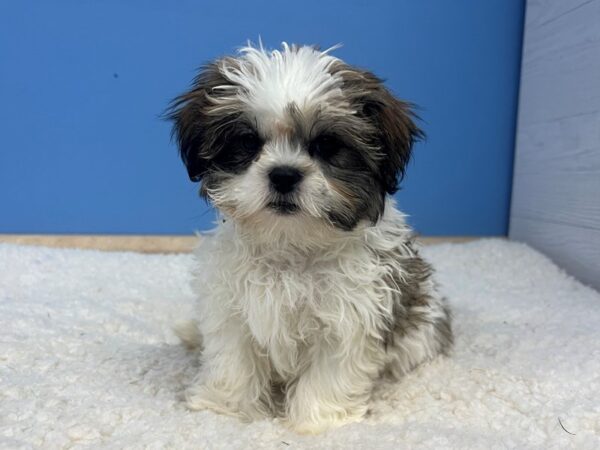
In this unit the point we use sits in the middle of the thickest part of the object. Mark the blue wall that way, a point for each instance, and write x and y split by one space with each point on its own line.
82 85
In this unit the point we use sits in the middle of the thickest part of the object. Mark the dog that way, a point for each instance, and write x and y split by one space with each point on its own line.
311 287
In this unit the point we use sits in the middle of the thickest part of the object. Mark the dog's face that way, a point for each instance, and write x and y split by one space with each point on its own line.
293 138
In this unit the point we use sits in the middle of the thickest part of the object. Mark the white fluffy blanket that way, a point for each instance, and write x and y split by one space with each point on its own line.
88 358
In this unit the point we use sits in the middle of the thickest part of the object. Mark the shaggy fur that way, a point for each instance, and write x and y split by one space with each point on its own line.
311 288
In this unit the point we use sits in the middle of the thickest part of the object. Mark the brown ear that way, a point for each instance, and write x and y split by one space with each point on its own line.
393 120
397 132
192 121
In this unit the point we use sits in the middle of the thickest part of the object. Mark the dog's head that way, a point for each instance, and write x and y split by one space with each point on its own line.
293 137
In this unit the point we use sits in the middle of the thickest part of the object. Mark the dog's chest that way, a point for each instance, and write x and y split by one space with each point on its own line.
289 308
290 305
282 302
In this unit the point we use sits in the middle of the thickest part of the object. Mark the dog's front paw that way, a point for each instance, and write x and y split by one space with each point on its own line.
224 402
316 422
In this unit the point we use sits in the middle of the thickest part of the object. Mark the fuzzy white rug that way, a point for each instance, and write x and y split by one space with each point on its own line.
88 358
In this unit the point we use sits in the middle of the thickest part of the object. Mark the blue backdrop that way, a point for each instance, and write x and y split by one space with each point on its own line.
83 83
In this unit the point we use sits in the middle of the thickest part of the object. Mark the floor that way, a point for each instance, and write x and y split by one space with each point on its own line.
88 358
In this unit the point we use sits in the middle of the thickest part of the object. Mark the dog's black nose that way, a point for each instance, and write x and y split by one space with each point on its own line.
284 178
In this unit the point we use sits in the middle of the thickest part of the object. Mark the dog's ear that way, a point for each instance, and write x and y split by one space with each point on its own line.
397 133
192 120
393 119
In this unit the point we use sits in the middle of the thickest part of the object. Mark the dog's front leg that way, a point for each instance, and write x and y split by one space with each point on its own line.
336 387
233 378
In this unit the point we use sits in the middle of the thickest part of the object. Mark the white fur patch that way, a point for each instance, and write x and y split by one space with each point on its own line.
313 318
270 80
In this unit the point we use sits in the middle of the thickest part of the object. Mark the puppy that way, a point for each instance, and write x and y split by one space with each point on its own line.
310 288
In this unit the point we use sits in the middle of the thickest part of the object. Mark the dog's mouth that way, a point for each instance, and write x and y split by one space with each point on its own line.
283 207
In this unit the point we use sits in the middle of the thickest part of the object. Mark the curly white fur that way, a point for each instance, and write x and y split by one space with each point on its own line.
312 320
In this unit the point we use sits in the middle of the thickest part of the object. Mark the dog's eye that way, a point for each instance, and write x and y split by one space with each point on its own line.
324 147
249 142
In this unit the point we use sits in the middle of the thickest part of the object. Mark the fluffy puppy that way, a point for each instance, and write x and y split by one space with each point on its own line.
311 287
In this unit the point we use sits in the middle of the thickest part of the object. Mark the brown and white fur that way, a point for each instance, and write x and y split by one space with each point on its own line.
311 287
